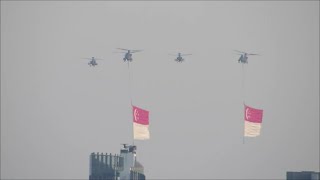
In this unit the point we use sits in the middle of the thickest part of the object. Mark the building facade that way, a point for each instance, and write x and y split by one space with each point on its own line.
305 175
116 167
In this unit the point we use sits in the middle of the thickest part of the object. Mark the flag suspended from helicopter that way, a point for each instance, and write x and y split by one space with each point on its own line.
140 123
252 121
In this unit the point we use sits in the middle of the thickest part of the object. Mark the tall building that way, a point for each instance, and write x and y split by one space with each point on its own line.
305 175
116 167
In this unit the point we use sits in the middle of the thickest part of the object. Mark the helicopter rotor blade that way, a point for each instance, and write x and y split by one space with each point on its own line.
240 51
253 54
123 49
134 51
120 52
186 54
87 58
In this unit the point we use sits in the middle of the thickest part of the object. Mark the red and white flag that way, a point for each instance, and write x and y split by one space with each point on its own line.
140 123
252 121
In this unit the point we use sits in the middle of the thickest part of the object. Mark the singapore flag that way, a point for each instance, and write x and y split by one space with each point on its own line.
252 121
140 123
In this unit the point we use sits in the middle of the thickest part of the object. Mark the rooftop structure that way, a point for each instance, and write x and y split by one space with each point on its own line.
305 175
117 167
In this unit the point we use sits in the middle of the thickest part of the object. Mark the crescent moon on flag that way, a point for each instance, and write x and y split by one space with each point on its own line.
247 116
135 114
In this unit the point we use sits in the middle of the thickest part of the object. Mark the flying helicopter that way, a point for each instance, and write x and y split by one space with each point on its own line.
128 54
179 57
92 61
244 57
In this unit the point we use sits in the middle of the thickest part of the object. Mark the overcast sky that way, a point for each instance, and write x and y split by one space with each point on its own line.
56 110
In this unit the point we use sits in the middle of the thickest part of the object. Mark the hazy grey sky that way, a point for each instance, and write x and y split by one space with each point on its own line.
56 110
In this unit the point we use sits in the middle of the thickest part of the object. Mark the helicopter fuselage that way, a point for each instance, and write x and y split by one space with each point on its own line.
179 59
128 57
92 63
243 58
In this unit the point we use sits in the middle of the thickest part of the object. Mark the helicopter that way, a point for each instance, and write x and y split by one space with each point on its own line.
244 57
179 57
92 61
128 55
